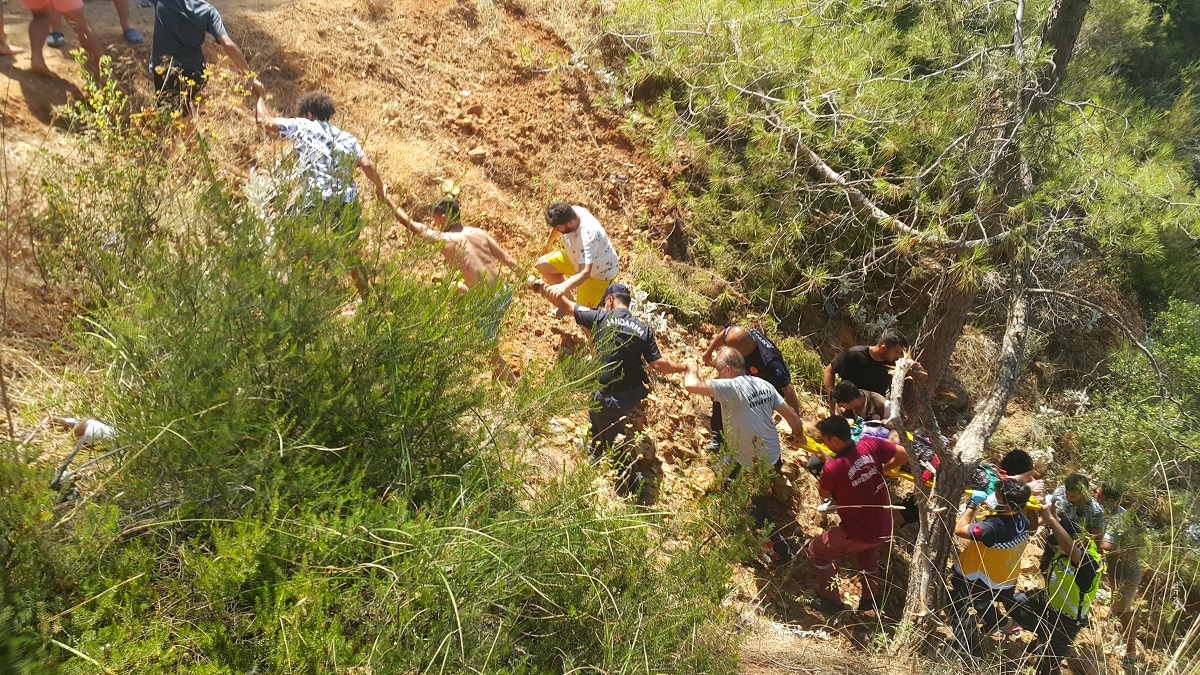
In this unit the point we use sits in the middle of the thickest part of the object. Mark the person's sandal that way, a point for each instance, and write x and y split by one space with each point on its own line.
56 39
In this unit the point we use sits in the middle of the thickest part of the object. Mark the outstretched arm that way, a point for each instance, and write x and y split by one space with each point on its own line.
666 367
264 118
694 384
419 229
500 254
898 461
368 169
790 397
565 304
235 54
829 375
793 419
964 521
1060 533
717 342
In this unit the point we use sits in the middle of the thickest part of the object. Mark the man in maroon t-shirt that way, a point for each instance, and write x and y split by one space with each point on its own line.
855 478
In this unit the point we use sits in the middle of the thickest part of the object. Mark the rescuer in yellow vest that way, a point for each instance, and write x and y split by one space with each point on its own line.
1071 583
987 569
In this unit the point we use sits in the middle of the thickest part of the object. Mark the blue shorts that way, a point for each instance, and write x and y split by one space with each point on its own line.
489 322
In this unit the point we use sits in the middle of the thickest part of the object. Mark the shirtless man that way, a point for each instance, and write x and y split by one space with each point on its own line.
477 257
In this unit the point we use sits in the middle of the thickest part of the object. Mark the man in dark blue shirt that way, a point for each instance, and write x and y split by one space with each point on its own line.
622 343
177 58
763 360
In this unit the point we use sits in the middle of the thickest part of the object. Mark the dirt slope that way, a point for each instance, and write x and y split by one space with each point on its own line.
474 92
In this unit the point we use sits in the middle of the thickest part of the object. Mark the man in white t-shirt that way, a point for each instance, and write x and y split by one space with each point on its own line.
589 263
748 407
326 158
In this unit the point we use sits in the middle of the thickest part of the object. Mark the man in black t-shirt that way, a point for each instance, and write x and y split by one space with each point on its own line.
622 342
177 59
763 360
868 368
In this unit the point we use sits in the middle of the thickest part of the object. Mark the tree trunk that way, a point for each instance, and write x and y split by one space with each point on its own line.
938 337
935 540
1059 36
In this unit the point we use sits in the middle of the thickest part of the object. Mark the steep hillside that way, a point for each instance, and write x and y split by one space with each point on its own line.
481 96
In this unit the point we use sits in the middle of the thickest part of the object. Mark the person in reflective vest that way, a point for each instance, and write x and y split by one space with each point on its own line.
1060 611
988 567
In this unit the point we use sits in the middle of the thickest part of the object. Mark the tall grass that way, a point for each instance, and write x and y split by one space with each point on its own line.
313 482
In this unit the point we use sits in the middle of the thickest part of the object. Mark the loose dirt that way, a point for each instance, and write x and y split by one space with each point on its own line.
482 96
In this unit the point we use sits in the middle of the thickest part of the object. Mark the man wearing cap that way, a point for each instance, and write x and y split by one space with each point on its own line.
588 263
622 343
1072 581
762 359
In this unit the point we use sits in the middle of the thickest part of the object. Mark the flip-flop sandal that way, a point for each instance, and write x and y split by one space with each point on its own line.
133 37
56 39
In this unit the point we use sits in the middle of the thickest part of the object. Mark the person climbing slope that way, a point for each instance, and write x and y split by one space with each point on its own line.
477 257
588 262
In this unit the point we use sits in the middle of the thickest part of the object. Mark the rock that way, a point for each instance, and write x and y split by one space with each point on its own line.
476 110
477 155
538 332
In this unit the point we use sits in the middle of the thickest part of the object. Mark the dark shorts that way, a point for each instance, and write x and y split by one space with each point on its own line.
177 88
344 218
489 322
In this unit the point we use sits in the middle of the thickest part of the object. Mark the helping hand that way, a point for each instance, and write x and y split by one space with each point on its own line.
257 87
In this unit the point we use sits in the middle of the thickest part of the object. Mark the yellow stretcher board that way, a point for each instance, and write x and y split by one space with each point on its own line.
813 447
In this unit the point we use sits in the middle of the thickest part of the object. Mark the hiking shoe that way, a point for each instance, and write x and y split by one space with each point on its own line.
147 3
829 605
133 37
1010 630
56 39
828 507
713 447
869 602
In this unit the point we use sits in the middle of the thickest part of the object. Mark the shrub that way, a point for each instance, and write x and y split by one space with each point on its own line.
312 482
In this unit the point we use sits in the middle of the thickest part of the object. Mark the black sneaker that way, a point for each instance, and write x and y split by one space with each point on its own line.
867 603
829 606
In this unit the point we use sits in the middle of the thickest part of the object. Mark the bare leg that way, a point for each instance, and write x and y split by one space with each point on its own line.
5 48
550 273
132 36
87 38
500 368
55 20
39 29
122 13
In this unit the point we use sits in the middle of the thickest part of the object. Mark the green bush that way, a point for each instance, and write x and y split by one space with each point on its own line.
808 371
316 483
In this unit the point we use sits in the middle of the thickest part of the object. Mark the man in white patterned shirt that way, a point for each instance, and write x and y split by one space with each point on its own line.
326 157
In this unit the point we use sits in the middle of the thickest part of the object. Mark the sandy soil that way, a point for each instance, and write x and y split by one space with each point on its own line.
478 94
